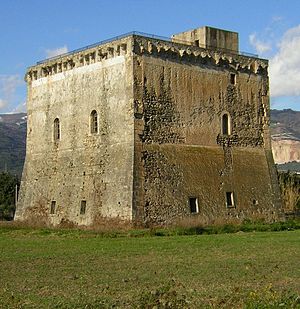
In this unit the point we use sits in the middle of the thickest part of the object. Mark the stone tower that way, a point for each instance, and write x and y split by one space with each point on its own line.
150 130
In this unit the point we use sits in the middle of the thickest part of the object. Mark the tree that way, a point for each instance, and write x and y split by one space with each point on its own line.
8 185
290 190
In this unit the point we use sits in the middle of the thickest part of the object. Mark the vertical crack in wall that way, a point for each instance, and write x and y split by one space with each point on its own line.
228 160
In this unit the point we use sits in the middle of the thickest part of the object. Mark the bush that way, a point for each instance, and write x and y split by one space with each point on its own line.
290 190
8 185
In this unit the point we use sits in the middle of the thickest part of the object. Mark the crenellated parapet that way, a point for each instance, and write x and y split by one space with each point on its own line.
146 45
195 54
78 59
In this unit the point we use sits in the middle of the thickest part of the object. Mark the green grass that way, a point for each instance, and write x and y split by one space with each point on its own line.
48 268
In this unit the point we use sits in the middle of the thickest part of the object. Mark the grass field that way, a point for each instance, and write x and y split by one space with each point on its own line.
44 268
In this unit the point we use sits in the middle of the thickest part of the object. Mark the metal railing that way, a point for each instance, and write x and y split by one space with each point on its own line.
147 35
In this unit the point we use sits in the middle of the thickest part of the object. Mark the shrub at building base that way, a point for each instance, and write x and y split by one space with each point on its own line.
290 192
8 185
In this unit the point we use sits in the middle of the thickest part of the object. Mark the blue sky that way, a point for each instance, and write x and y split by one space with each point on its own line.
32 30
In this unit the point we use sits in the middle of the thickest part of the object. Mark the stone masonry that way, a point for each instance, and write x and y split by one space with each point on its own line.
150 131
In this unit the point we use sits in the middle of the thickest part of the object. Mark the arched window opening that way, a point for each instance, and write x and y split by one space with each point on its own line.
56 131
226 124
94 122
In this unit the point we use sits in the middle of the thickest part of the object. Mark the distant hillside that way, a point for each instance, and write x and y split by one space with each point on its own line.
285 124
285 131
12 142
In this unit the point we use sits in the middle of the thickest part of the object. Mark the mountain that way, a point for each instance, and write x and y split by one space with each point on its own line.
12 142
285 133
285 124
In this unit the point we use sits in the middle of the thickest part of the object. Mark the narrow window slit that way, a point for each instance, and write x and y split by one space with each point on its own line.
52 207
232 79
226 127
193 203
94 122
56 130
82 207
229 199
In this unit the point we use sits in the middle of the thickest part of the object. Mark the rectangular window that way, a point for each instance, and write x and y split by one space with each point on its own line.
82 207
197 43
52 207
232 79
229 199
193 203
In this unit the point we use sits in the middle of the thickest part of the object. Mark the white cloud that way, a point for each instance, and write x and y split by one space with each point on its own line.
57 51
8 84
260 46
8 87
3 103
277 18
284 67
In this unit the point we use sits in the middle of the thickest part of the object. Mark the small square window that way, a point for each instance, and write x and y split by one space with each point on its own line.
52 207
229 199
232 79
82 207
193 203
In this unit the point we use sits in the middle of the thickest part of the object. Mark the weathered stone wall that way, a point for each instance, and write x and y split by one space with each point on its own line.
180 97
160 107
173 173
96 168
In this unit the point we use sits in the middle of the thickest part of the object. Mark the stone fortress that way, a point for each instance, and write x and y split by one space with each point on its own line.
150 130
